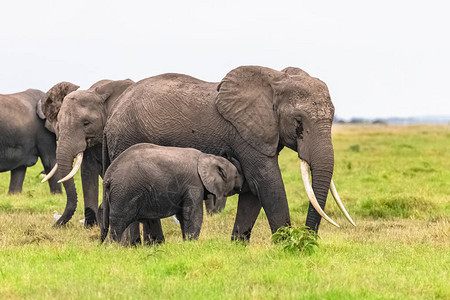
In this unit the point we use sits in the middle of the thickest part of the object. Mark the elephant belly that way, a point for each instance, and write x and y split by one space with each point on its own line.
17 144
154 208
12 157
138 200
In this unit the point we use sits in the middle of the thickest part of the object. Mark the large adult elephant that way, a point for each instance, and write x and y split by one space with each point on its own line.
23 138
252 114
78 117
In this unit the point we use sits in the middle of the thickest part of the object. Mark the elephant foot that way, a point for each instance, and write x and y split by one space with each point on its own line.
153 242
152 232
243 237
14 192
89 218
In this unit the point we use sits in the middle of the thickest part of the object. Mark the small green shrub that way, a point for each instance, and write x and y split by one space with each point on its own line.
301 240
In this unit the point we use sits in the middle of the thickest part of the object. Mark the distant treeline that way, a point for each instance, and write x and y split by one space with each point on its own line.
396 120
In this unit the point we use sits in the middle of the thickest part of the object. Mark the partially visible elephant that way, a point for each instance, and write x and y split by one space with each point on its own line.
24 139
253 113
78 117
150 182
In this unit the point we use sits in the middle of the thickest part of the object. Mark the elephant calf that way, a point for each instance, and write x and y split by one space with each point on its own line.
151 182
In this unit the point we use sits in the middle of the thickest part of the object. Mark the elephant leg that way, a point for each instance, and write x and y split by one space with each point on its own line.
264 178
118 232
90 170
191 218
274 201
122 227
153 233
180 219
132 235
209 204
248 210
55 187
17 177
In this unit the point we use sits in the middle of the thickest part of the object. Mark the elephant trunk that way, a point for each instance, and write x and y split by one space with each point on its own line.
71 204
64 158
322 166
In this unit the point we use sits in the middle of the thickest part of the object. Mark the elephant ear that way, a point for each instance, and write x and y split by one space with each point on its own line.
51 104
111 90
212 172
39 111
247 99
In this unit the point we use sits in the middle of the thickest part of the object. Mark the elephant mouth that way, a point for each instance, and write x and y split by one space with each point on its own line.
89 142
312 198
92 141
76 167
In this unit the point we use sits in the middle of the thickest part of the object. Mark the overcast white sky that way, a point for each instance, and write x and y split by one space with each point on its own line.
379 59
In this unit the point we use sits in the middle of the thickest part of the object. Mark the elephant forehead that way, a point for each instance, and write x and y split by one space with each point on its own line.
317 108
79 95
311 96
80 99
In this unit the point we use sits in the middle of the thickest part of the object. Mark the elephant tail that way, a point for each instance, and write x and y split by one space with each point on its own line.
104 225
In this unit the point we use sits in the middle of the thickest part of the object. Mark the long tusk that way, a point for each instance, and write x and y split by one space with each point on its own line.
339 202
78 161
49 175
310 192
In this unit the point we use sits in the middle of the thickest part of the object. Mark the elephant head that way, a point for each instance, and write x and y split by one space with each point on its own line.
49 106
272 110
78 118
48 109
220 177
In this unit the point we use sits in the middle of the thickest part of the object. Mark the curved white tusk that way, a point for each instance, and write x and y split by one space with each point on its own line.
78 161
49 175
339 202
310 192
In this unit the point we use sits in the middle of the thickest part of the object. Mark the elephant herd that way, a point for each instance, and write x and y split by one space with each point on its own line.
134 136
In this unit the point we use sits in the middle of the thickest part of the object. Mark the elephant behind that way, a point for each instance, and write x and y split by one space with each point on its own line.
78 117
24 139
252 114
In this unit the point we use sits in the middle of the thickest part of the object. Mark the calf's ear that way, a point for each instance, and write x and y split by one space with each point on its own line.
212 173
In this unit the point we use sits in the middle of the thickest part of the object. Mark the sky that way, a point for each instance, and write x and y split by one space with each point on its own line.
378 58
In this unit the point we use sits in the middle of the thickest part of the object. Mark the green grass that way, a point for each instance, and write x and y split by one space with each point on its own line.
394 181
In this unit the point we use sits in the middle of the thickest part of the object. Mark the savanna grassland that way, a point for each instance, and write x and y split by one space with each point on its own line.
394 181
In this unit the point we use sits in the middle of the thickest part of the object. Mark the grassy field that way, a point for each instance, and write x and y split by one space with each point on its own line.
394 181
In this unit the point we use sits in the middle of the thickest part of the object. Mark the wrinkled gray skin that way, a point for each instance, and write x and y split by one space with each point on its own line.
78 117
23 138
150 182
252 114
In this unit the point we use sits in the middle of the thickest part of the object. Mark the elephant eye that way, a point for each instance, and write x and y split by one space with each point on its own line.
299 129
86 122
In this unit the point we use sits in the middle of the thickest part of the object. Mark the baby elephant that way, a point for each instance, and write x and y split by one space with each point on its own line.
152 182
